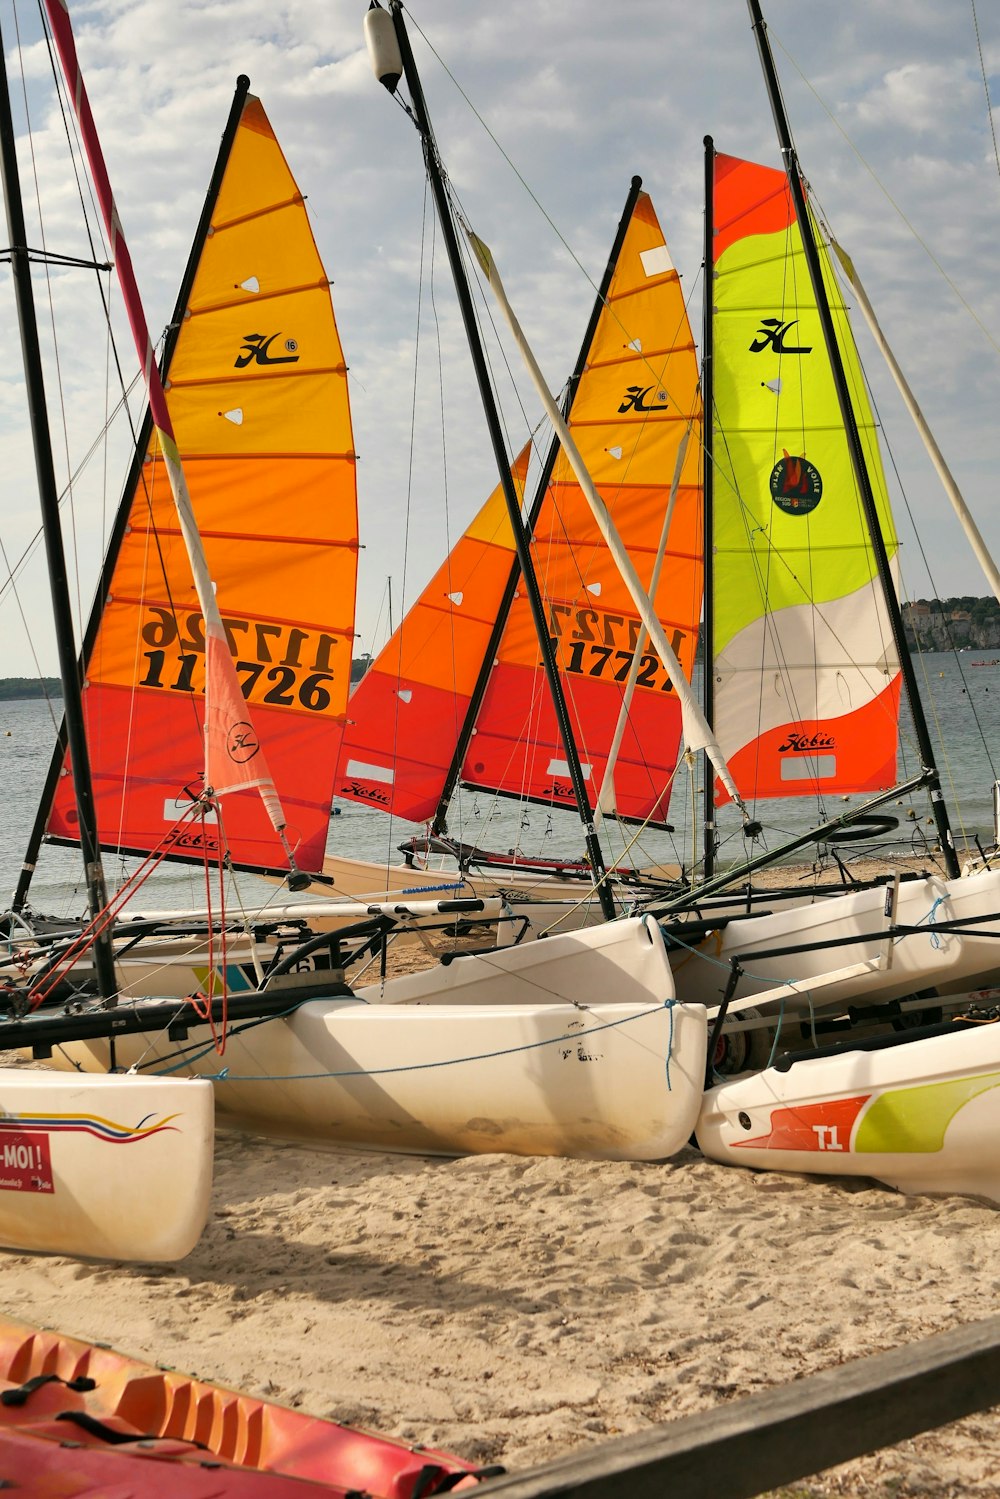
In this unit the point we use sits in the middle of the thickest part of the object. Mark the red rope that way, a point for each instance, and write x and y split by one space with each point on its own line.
202 1004
103 919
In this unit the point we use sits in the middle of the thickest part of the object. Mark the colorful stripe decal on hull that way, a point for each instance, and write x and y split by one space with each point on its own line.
896 1121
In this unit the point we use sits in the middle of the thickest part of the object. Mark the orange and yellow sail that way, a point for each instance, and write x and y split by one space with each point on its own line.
635 401
806 679
257 397
407 713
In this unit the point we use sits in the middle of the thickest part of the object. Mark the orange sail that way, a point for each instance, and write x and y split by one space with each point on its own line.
806 676
407 713
636 401
257 396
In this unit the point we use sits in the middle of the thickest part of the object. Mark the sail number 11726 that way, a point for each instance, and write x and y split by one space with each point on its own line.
278 665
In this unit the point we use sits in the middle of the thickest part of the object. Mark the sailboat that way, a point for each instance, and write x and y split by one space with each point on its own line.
259 417
915 1108
457 694
806 666
878 944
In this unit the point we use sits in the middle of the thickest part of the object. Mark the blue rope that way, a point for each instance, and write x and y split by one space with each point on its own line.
929 918
670 1042
290 1077
707 957
429 889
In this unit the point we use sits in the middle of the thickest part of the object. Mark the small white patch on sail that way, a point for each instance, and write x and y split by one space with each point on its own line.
371 772
174 808
235 416
809 768
561 768
656 262
250 284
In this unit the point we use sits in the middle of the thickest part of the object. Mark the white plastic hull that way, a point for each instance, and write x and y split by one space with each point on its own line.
572 1046
923 1116
928 958
112 1167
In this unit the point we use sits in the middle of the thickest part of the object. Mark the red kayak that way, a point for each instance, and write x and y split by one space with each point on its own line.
76 1419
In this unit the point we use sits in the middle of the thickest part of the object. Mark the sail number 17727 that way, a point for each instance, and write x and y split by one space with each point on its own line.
278 665
590 642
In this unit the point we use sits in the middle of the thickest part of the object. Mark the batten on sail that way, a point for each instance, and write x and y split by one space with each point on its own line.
806 677
257 395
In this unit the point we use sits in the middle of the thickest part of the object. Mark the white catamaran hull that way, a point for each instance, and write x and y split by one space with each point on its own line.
923 1116
111 1167
571 1046
872 968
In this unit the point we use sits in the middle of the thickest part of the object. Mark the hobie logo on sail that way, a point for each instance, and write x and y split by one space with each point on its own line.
771 335
806 743
636 398
241 743
257 350
796 486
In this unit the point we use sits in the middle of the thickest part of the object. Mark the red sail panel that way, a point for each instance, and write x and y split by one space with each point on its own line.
637 400
406 714
257 392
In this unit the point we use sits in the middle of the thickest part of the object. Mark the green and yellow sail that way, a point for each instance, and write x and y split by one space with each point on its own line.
807 680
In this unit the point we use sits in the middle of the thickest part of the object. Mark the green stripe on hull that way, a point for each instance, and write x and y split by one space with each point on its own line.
914 1121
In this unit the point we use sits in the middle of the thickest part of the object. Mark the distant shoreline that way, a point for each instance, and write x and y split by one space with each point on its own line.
24 689
18 689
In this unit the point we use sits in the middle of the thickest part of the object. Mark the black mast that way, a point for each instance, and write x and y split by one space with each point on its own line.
436 179
708 487
48 495
854 441
482 682
131 484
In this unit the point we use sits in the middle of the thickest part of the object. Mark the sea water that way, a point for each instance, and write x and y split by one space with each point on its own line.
962 699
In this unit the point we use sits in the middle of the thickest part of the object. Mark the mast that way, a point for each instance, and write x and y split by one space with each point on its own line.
48 494
121 519
708 481
435 176
552 453
858 464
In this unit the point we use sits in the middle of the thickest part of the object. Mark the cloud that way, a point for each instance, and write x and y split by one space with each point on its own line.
580 98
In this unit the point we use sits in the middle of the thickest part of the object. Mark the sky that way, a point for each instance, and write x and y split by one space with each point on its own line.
543 113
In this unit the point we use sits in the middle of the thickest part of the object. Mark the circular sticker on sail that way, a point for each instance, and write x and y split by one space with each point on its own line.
796 486
241 743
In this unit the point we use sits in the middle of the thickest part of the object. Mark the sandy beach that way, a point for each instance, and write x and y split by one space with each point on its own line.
514 1309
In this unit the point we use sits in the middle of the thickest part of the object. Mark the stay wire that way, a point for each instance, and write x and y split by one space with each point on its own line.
986 86
892 202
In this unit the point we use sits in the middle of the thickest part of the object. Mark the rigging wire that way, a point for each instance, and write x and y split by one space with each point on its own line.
408 509
986 86
891 201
